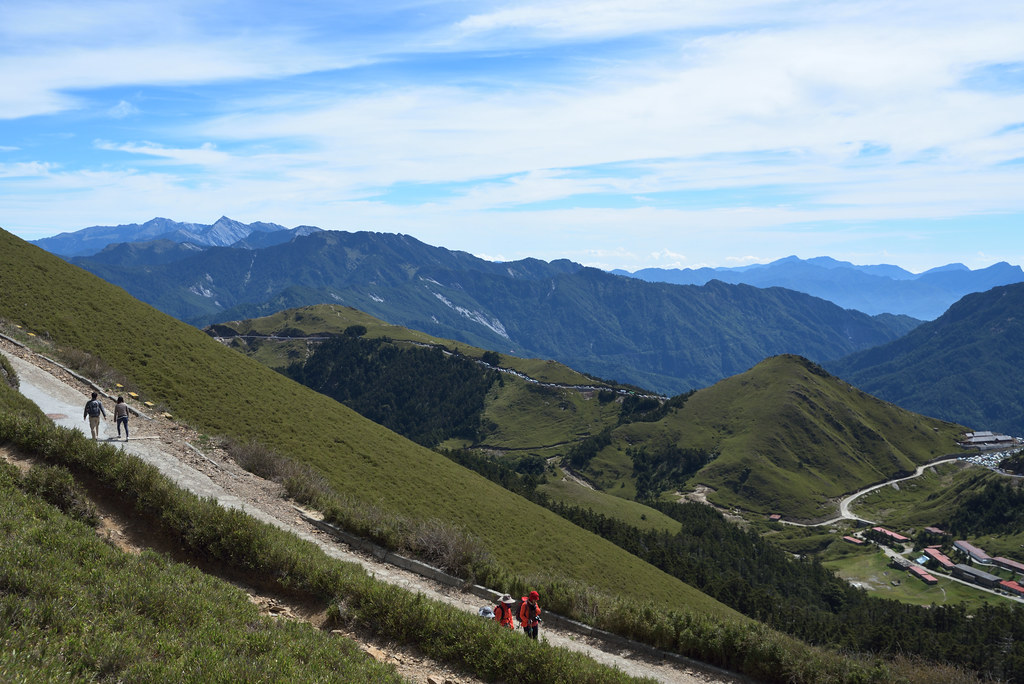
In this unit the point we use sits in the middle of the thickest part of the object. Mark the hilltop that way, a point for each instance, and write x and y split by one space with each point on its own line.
791 439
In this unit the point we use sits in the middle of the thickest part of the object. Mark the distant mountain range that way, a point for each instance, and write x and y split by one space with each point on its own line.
966 366
874 290
224 232
662 337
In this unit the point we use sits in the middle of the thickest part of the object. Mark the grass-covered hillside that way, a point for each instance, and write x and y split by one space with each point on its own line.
223 393
965 366
789 438
534 412
333 319
786 437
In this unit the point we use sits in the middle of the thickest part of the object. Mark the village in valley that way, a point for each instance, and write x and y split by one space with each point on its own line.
932 553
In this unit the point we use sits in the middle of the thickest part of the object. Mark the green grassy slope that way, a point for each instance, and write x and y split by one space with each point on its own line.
630 512
791 438
964 366
333 318
78 609
520 415
222 392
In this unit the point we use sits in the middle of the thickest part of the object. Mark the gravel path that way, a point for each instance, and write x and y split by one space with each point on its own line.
200 466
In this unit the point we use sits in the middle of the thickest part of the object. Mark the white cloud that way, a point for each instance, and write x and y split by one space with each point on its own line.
206 154
752 119
608 18
123 109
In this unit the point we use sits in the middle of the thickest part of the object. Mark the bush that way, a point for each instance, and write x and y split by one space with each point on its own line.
57 486
7 373
91 366
446 547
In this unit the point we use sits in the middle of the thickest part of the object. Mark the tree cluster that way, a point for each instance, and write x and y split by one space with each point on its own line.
665 467
581 453
996 509
419 392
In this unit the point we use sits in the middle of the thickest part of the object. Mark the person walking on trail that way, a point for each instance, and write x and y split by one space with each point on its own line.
503 611
93 411
121 417
529 614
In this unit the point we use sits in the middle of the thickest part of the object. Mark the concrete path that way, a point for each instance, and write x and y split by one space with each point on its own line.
64 404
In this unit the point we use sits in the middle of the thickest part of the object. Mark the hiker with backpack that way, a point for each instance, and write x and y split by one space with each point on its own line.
529 614
503 611
93 411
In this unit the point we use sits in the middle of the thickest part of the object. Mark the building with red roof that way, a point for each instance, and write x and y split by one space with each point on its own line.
892 535
942 559
922 574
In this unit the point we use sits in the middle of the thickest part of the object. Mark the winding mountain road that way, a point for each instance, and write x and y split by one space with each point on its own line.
844 505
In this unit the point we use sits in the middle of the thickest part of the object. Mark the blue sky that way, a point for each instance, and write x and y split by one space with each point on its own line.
616 133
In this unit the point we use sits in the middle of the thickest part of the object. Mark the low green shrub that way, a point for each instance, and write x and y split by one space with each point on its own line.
57 486
267 555
436 542
75 609
7 373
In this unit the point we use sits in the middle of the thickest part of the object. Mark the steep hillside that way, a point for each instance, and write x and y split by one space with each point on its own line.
967 366
222 392
786 438
782 437
667 338
265 339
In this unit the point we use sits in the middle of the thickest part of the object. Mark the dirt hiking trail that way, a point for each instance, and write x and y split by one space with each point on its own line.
196 464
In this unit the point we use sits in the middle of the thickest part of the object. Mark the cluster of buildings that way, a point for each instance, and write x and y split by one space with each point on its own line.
985 579
962 571
987 441
914 568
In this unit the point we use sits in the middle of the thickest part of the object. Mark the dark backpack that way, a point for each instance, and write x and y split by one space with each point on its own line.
93 407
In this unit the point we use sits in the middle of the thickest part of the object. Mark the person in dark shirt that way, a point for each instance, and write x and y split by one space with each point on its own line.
93 411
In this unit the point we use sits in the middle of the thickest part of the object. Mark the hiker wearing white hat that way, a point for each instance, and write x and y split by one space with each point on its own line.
503 611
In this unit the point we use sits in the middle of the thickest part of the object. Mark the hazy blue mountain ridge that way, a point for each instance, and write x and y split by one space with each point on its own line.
874 290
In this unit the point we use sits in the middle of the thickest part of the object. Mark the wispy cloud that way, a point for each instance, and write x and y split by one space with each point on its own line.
707 132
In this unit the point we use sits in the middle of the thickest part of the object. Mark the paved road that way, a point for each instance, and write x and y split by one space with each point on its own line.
844 505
